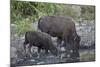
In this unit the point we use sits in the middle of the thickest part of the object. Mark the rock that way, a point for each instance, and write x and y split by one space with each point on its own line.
13 55
87 33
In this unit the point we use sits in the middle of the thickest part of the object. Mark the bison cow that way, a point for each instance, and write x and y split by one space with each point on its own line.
40 40
63 28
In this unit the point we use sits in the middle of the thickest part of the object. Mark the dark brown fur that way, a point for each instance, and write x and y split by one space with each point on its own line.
61 27
57 26
40 40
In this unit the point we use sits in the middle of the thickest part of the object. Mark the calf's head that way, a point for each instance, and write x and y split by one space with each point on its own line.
54 49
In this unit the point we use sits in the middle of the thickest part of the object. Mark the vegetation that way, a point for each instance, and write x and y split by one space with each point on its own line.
88 12
24 13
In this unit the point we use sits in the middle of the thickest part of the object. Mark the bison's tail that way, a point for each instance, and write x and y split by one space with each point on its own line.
39 24
26 41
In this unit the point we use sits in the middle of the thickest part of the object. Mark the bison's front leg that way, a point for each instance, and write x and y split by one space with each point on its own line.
69 49
71 53
75 56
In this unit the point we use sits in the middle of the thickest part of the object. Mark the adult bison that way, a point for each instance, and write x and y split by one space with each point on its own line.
63 28
40 40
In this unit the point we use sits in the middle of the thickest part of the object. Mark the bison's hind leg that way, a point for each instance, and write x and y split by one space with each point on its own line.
24 47
38 53
29 49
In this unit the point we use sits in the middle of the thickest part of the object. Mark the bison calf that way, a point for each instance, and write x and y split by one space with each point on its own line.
40 40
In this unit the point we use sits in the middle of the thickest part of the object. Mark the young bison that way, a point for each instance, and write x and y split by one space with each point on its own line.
40 40
63 28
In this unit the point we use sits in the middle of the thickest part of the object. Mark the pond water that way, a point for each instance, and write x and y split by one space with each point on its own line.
85 55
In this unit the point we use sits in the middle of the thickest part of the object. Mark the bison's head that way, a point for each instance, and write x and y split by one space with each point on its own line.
54 50
72 46
76 41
